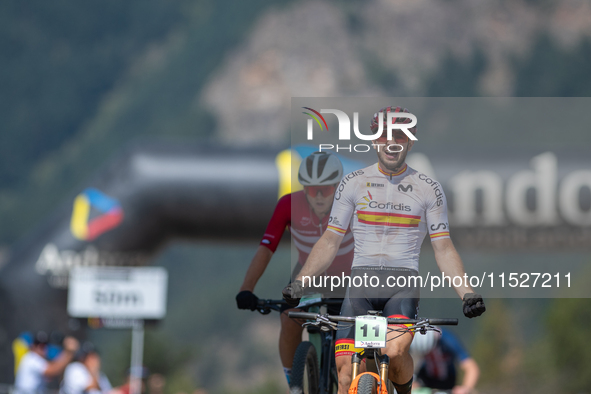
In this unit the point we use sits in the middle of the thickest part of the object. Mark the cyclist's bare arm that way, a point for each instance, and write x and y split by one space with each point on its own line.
322 255
471 373
57 366
450 263
257 267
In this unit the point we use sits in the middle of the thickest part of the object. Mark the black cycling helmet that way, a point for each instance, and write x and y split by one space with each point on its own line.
85 349
41 338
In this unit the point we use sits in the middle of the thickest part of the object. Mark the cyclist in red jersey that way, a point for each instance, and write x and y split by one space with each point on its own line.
306 214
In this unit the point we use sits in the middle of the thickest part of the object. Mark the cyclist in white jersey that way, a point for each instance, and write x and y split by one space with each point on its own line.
390 207
389 214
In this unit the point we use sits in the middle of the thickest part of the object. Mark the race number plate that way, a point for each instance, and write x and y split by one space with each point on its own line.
370 331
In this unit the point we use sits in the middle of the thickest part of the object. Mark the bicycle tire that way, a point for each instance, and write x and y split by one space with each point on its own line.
366 385
304 372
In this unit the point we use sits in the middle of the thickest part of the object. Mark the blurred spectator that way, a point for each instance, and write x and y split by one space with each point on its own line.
125 389
436 357
156 383
34 368
20 346
84 375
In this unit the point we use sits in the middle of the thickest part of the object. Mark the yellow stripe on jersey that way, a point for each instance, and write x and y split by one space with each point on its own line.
442 234
339 230
393 173
346 347
388 219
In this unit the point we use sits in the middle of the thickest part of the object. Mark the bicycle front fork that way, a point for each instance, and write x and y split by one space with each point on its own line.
383 360
384 364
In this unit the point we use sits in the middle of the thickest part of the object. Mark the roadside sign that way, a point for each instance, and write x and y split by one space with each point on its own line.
118 292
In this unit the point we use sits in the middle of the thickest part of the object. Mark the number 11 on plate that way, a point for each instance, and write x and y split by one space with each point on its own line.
370 331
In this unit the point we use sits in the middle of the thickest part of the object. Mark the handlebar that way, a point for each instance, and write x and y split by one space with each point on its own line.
265 306
346 319
443 322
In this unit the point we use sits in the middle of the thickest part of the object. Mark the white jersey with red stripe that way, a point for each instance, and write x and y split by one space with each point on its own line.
389 214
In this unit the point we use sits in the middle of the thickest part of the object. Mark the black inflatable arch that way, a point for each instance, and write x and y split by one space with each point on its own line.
161 192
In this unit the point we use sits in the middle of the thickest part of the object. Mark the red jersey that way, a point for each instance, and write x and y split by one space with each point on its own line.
293 211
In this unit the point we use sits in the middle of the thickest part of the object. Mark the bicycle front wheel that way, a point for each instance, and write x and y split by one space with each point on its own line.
304 372
366 385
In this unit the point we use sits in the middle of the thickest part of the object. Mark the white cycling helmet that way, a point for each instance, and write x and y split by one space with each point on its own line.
422 344
320 169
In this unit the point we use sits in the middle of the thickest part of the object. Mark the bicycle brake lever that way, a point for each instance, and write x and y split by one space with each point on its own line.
264 311
424 326
310 323
324 322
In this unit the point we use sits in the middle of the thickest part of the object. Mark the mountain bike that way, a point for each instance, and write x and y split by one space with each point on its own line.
370 334
314 369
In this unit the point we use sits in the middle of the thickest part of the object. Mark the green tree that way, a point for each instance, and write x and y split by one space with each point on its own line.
568 323
498 350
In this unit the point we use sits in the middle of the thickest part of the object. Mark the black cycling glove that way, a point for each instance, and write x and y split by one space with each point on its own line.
293 293
473 305
247 300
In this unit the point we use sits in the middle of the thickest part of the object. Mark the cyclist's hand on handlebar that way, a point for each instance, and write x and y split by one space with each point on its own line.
247 300
293 293
473 305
